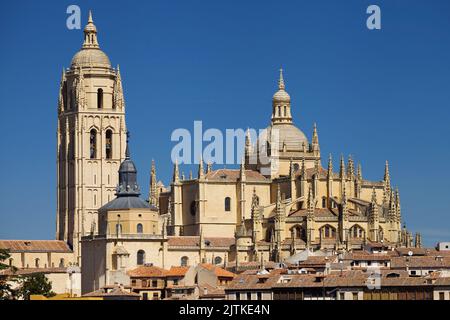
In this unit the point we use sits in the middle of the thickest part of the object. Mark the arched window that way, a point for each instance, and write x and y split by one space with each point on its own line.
140 257
356 232
380 234
217 260
61 263
184 261
139 228
118 229
324 202
36 262
279 111
93 144
328 231
227 204
100 98
285 111
108 144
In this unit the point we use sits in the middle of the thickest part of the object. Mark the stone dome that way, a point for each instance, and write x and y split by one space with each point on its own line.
288 134
281 96
90 57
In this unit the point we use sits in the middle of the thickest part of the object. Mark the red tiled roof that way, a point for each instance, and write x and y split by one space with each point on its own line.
35 246
177 271
147 272
218 271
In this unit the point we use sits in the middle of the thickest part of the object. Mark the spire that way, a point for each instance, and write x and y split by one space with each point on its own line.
330 166
128 185
397 206
315 141
387 178
281 85
176 174
90 34
342 168
201 173
127 149
350 168
248 147
153 198
242 170
359 172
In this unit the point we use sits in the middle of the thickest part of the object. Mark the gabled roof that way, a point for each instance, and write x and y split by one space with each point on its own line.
177 271
35 246
148 272
219 272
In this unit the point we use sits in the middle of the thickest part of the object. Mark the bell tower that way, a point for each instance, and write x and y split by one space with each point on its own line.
91 139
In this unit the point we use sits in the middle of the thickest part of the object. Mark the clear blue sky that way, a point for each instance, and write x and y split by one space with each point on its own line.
374 94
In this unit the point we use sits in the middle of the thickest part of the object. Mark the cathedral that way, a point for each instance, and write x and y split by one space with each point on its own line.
263 211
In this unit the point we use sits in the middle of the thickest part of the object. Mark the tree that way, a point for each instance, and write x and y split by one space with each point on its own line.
5 286
35 284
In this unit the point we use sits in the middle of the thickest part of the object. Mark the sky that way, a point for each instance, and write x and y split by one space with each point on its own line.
375 94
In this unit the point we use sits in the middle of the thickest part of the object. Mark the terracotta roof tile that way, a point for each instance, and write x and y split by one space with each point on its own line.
148 272
218 271
35 246
177 271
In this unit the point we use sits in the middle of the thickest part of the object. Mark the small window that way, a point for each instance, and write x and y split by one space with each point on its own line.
217 260
355 295
139 228
36 262
184 261
140 257
227 204
93 144
441 295
100 98
108 144
61 263
249 296
154 283
324 202
259 296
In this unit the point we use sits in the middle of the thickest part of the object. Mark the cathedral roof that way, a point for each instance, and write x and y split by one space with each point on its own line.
90 57
35 245
194 241
287 134
126 203
233 175
90 53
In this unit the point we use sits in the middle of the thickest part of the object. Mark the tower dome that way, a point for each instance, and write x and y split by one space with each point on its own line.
281 95
90 53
